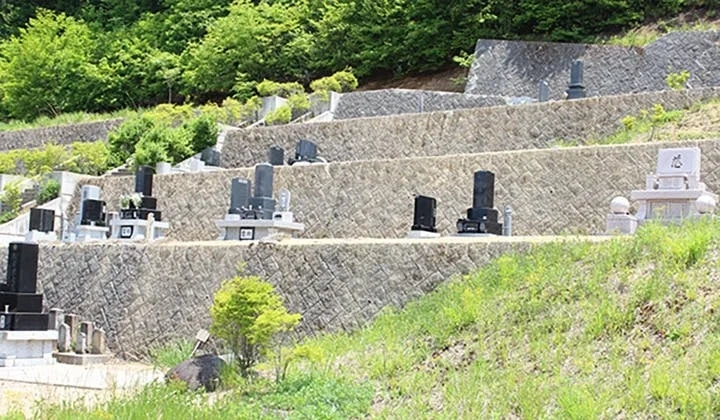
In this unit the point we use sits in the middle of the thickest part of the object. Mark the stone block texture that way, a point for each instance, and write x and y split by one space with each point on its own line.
441 133
513 68
61 134
552 191
147 295
376 103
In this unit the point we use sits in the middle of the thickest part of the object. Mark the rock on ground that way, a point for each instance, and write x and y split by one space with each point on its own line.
199 371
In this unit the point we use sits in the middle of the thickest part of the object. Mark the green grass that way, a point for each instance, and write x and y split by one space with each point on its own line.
643 36
171 354
626 328
64 119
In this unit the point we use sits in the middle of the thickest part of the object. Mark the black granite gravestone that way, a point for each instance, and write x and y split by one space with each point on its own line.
239 195
210 156
93 212
144 181
424 217
42 220
262 203
305 151
276 156
576 88
20 305
482 217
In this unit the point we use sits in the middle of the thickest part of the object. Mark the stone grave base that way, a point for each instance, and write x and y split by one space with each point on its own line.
27 348
256 229
621 223
37 236
475 235
86 233
81 359
138 229
422 234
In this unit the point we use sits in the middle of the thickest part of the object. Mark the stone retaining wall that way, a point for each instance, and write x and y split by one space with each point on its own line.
150 295
455 132
61 134
552 191
407 101
514 68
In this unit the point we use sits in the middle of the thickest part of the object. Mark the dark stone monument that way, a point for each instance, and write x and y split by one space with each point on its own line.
576 88
20 305
93 212
305 151
202 371
543 91
276 156
42 220
148 203
210 156
482 217
239 195
262 203
424 217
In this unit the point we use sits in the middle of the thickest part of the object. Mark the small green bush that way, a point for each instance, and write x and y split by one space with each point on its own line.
123 139
152 148
326 84
247 313
347 80
677 81
281 115
203 132
49 190
11 200
89 158
270 88
299 102
45 160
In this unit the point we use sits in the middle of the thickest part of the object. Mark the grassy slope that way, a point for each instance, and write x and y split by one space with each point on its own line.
624 328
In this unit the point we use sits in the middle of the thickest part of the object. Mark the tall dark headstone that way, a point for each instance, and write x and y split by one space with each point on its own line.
210 156
576 88
42 220
239 195
276 156
305 151
144 180
262 203
482 217
22 267
93 212
424 217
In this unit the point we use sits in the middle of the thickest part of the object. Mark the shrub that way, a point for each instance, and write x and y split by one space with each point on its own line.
11 200
247 313
281 115
89 158
45 160
123 139
347 80
677 81
49 190
202 131
299 102
270 88
326 84
152 148
169 114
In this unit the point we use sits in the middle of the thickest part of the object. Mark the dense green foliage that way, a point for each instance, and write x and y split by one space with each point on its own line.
49 190
623 328
101 55
79 157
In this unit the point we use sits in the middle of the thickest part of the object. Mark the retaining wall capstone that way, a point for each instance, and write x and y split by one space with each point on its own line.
553 191
514 68
61 134
455 132
148 295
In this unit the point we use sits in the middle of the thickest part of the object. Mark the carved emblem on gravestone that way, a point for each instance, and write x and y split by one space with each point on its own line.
677 162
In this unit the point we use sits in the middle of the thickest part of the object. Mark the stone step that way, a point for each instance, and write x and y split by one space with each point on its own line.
499 128
553 191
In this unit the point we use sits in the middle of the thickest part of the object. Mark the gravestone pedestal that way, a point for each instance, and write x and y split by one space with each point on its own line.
233 227
90 233
37 236
27 348
138 229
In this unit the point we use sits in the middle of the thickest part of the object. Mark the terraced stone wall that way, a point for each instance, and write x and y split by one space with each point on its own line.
61 134
455 132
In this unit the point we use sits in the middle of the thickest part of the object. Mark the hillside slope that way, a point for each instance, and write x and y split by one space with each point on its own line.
623 328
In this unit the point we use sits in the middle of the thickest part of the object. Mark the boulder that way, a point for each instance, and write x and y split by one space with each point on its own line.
199 371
